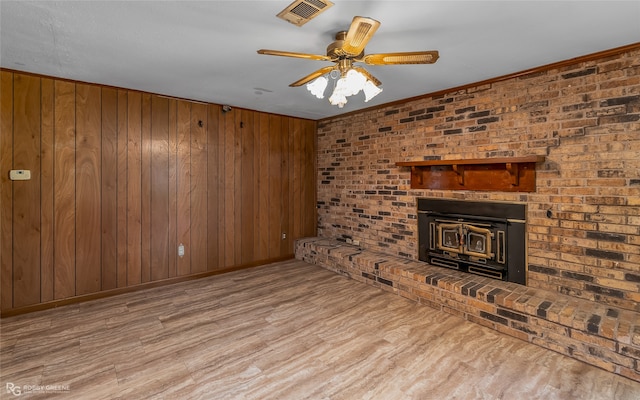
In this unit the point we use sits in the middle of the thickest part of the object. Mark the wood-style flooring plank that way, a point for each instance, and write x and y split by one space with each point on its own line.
287 330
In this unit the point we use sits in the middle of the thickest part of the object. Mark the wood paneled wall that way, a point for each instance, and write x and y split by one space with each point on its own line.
120 178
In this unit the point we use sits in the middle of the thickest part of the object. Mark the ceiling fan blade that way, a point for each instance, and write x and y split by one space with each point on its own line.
295 55
370 77
359 34
413 57
312 76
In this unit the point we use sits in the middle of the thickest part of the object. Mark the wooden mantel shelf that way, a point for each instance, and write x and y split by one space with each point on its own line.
510 174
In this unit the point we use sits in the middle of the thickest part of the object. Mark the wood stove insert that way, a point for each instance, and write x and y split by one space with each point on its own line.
484 238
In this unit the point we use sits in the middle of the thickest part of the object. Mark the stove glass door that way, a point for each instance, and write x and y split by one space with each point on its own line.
450 237
478 241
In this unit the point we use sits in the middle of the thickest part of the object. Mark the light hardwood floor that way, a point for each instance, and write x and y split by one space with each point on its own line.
283 331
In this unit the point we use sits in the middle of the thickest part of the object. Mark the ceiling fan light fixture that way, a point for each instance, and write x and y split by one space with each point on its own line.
318 86
351 84
348 49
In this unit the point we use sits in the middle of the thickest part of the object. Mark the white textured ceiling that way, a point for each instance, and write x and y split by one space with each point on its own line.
206 50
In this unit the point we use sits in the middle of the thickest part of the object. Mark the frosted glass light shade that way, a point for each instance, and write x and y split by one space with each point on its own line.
338 99
317 87
370 91
355 82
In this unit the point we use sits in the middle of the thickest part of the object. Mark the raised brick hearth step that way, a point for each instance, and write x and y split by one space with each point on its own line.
599 335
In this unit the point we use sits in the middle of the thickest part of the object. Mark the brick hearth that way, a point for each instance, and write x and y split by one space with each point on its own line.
600 335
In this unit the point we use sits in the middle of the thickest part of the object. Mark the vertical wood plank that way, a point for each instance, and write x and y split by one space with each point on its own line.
229 189
222 193
122 199
237 187
6 190
275 185
184 186
134 188
255 208
173 200
264 187
88 143
294 127
160 189
285 195
109 186
47 190
145 198
199 181
247 242
296 183
213 187
64 191
26 200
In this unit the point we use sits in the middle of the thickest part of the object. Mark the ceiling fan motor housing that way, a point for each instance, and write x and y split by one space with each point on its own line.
334 50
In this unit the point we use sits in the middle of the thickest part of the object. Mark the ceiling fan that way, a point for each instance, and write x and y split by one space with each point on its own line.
347 49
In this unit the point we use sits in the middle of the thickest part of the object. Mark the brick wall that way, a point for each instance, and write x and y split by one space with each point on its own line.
585 118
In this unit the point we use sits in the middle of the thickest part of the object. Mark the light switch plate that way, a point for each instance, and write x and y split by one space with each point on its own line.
20 174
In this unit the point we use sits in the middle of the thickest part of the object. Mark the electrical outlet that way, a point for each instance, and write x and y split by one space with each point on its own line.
284 235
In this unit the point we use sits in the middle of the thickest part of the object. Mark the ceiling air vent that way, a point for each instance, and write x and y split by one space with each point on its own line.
302 11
